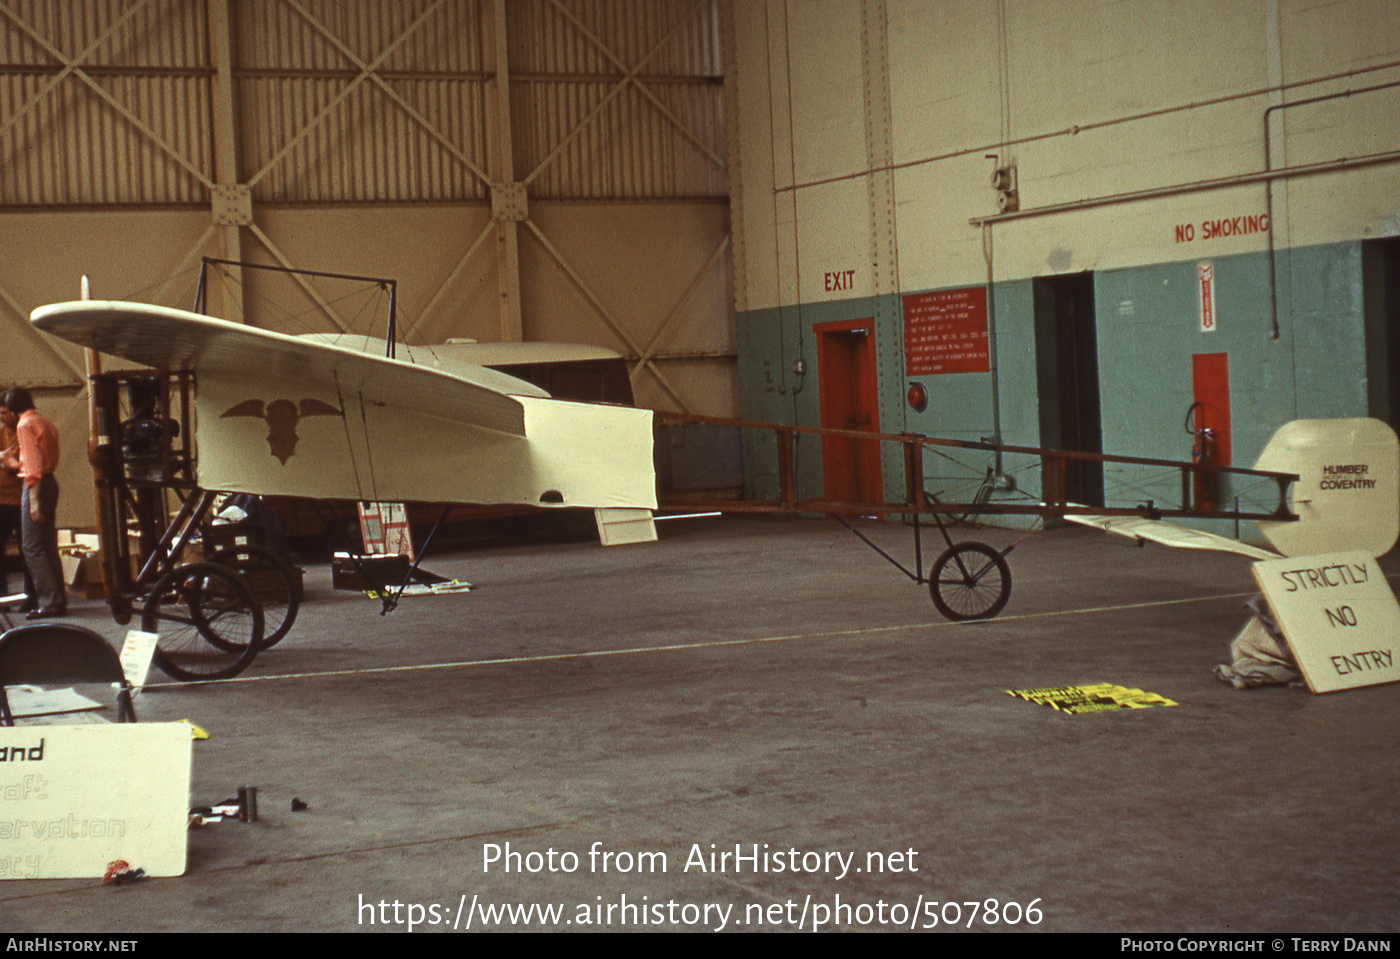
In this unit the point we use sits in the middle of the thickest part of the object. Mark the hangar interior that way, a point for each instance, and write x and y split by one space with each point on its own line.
1083 224
1136 237
1064 224
530 171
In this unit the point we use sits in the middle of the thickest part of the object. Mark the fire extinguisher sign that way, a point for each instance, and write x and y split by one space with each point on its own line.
1205 281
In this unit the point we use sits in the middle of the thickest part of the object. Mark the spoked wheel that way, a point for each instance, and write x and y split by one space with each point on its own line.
210 625
970 581
276 587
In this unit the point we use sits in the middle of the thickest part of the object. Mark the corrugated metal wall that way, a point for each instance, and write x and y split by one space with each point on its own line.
370 101
580 133
362 102
104 103
369 136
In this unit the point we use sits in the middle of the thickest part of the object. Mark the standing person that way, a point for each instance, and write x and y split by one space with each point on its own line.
37 458
11 495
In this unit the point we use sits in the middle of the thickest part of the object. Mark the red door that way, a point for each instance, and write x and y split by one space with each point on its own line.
1210 387
849 401
1210 411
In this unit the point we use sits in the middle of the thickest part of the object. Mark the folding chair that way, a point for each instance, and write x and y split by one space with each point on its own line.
48 654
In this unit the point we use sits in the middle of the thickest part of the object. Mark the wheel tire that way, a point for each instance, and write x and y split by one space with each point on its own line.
970 581
279 604
210 625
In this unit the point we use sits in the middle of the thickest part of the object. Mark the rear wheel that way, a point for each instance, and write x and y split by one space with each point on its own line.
210 625
970 581
274 584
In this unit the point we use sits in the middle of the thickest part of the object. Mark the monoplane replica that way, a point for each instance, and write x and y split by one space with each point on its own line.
308 416
232 408
337 417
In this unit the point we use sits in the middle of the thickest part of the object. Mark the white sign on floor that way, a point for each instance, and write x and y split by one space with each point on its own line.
73 799
1339 615
136 655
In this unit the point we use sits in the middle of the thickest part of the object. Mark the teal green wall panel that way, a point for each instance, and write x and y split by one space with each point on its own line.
1321 288
766 386
771 345
1018 386
1148 328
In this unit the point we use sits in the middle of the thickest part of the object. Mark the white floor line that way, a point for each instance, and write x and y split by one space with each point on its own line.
715 644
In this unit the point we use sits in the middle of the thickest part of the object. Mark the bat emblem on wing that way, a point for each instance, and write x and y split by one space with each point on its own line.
281 417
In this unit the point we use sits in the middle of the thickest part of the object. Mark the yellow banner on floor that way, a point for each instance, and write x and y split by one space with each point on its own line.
1094 698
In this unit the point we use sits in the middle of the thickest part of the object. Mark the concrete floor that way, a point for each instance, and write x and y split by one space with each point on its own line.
770 684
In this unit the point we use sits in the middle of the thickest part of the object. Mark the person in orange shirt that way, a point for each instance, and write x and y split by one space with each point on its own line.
11 494
37 458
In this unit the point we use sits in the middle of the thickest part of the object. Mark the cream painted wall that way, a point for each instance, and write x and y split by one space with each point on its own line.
826 99
1089 99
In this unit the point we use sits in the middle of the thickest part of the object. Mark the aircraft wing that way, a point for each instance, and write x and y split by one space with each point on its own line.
171 339
1169 534
290 416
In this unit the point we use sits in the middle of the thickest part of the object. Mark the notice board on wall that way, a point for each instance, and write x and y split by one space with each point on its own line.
946 332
